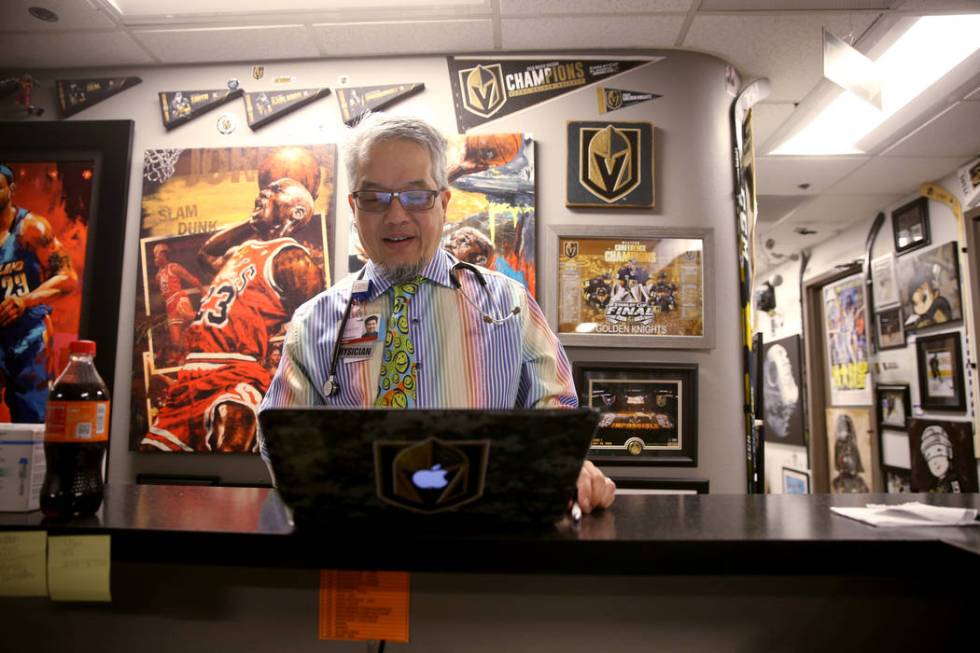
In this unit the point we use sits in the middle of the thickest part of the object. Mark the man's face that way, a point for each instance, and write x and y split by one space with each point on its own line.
371 325
280 208
396 238
159 256
6 192
464 246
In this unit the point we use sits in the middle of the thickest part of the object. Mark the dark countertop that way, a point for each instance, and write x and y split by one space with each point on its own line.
655 534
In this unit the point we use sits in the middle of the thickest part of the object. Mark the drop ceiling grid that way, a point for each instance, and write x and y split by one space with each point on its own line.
228 44
953 132
894 175
782 175
593 32
72 15
35 51
417 37
564 7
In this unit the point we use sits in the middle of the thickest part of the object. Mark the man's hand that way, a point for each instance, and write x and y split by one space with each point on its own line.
595 490
10 309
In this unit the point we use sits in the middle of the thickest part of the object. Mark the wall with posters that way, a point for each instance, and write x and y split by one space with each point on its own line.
689 106
894 366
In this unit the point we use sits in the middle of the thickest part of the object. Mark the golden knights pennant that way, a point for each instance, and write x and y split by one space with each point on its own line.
77 94
487 88
355 102
265 106
613 99
179 107
610 164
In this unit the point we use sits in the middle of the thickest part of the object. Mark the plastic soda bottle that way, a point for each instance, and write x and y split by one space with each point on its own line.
76 434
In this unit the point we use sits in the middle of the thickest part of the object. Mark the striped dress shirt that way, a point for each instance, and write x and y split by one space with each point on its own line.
463 361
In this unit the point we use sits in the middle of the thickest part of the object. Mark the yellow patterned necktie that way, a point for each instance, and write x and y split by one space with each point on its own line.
397 381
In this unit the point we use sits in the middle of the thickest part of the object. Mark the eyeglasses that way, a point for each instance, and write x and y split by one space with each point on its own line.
375 201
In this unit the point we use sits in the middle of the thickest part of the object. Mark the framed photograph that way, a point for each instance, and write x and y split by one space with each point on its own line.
796 481
893 406
845 329
852 467
942 456
610 165
910 225
782 390
898 480
890 328
884 284
652 288
929 287
649 412
210 317
642 485
939 360
70 186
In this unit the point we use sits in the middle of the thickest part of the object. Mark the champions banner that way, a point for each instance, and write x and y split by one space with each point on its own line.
485 89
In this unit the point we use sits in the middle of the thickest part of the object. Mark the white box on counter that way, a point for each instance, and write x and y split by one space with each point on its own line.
21 466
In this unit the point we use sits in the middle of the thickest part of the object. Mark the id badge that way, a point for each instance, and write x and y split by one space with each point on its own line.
361 335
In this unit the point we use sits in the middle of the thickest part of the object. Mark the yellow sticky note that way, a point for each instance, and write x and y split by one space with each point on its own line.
78 568
23 564
364 605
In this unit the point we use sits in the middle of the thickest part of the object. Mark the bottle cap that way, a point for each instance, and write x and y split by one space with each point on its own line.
82 347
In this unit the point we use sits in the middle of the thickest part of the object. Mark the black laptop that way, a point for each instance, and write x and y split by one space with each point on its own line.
444 468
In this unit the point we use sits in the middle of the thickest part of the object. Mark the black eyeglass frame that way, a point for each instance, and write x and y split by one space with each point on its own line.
388 196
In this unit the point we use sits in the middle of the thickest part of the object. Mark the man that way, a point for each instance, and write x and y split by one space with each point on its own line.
262 276
35 269
397 170
170 279
371 326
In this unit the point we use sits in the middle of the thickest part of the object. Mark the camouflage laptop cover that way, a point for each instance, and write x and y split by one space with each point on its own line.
447 467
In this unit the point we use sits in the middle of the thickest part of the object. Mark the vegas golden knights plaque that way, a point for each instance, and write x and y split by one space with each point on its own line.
610 165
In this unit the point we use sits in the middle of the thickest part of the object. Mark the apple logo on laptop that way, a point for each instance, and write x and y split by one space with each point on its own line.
433 478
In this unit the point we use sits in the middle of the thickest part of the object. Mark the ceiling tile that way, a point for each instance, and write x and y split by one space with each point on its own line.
605 32
199 45
896 175
782 175
839 210
417 37
72 15
51 50
767 118
793 5
952 133
538 7
786 49
772 208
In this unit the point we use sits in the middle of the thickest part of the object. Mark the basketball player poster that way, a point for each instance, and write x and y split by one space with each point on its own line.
232 240
45 208
491 216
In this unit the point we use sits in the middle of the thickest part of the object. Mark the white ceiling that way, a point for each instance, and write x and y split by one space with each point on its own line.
777 39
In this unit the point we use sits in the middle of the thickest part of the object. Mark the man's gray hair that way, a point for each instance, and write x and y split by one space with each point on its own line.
377 127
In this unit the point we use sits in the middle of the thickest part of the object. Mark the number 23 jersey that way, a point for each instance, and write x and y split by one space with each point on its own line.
243 307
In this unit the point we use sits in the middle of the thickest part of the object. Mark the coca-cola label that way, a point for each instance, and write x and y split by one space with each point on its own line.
77 421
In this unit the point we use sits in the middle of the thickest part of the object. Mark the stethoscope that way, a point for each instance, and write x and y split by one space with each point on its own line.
331 386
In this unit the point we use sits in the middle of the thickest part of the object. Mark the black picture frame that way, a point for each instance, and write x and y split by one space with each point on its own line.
792 475
891 319
662 430
109 143
895 395
910 225
650 485
937 356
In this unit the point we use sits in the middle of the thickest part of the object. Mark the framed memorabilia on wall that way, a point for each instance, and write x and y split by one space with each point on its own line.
885 286
942 456
845 326
69 184
898 480
929 286
644 485
211 313
796 481
610 165
910 225
782 389
649 412
939 360
852 467
650 288
890 328
893 406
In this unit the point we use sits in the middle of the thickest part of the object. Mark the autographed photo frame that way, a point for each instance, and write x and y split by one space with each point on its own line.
76 175
939 359
632 286
910 225
649 412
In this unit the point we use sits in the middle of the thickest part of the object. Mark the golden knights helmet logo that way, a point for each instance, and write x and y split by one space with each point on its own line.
609 161
483 89
614 99
570 248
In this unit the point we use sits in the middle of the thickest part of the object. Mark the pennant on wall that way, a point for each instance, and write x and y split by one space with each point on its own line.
355 102
612 99
77 94
179 107
485 89
265 106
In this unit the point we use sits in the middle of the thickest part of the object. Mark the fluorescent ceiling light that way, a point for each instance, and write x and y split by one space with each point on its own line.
145 8
929 49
